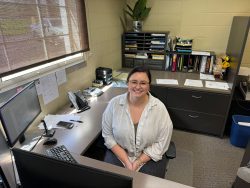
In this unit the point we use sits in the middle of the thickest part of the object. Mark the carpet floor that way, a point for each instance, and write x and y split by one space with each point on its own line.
204 161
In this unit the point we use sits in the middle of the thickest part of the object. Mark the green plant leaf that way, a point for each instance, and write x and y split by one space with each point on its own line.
145 13
139 7
129 7
140 11
130 14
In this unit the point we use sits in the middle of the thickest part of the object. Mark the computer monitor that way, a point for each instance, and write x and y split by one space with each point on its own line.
19 112
36 170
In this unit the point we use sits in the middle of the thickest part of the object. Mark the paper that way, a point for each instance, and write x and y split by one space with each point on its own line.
167 81
38 87
244 173
49 88
244 124
61 77
120 75
206 77
52 120
217 85
194 83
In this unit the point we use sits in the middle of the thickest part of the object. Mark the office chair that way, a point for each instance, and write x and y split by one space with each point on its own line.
170 153
97 151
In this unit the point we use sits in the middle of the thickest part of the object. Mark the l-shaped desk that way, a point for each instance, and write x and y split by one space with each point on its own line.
78 139
196 109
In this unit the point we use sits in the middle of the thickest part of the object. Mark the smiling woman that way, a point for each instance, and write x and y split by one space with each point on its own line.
37 32
137 128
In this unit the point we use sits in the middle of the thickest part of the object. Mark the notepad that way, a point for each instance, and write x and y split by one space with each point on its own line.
167 81
217 85
193 83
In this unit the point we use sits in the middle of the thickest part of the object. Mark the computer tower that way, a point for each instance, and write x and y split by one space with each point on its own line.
104 74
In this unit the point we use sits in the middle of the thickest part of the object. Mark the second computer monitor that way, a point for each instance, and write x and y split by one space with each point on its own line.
19 112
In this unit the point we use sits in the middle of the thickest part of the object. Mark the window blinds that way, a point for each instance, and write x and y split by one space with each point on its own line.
34 32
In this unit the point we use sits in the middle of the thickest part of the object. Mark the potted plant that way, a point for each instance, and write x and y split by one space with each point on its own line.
138 14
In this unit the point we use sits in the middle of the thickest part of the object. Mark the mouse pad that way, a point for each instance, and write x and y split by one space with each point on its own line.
65 124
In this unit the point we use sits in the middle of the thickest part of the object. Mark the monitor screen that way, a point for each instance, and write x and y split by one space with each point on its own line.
37 170
19 112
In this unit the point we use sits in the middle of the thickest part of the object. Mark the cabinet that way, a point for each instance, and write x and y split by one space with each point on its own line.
143 48
193 110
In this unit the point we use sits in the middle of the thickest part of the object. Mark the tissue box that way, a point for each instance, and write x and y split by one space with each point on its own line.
240 130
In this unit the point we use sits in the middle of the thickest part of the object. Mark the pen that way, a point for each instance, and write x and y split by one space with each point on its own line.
79 121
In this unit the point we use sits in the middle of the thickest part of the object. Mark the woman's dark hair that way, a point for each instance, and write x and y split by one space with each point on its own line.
140 69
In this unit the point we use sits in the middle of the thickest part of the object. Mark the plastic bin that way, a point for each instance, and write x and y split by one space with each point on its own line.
240 133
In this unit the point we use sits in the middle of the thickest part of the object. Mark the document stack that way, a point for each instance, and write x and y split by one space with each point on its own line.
183 45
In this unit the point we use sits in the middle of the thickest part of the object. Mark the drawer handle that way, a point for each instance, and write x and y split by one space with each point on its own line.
193 116
196 97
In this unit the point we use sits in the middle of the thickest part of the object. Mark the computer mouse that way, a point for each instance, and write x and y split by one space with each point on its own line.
50 141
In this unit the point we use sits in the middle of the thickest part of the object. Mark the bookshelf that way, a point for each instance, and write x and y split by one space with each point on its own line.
201 62
150 49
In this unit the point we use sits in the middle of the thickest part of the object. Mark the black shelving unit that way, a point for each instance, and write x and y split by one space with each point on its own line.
150 49
144 48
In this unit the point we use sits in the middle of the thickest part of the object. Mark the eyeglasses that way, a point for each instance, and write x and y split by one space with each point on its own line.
134 83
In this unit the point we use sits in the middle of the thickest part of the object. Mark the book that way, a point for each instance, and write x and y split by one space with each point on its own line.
203 64
211 65
194 52
174 63
167 62
208 65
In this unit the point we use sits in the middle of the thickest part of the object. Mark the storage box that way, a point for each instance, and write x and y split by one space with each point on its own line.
240 130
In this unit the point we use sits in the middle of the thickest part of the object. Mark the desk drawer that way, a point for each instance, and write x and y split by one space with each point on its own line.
195 121
211 103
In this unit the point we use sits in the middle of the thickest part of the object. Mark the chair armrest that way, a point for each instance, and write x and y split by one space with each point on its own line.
171 152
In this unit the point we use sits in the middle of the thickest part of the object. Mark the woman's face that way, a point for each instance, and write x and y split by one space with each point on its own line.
138 84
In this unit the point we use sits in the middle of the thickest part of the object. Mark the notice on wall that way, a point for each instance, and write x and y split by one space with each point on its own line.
49 88
61 77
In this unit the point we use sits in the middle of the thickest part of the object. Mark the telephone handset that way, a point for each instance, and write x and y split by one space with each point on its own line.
78 101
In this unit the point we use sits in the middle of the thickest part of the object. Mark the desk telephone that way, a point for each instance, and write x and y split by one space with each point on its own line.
78 101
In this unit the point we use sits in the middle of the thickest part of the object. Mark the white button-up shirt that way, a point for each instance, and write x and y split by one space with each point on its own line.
154 130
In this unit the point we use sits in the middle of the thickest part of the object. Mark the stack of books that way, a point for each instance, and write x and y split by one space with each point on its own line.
183 45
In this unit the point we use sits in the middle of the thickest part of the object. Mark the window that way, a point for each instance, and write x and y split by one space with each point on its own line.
35 32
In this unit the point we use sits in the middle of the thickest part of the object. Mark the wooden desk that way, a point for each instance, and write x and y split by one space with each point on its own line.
80 137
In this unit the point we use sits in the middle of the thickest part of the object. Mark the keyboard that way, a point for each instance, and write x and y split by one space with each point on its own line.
61 153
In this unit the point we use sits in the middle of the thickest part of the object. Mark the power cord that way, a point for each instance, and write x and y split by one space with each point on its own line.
36 143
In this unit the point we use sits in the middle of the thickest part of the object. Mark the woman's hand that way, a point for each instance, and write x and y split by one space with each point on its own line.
136 164
128 165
